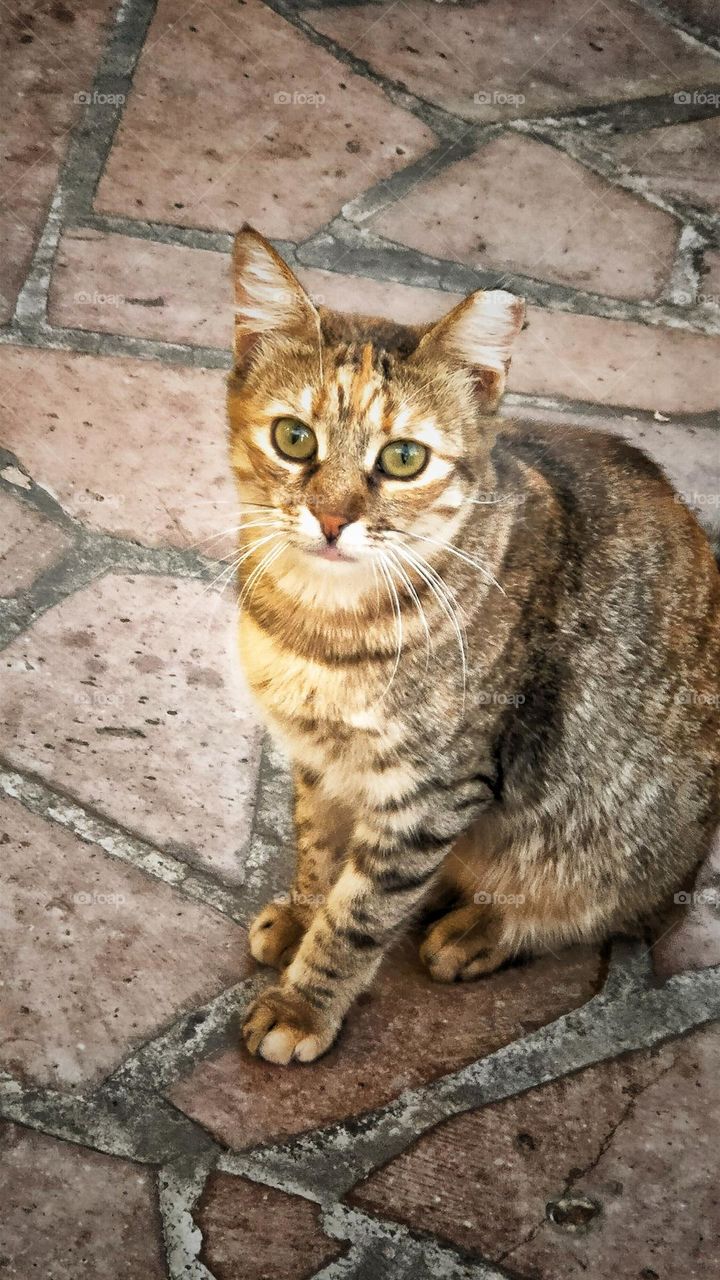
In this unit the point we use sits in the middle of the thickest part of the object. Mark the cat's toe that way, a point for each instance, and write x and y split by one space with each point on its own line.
274 935
281 1026
460 947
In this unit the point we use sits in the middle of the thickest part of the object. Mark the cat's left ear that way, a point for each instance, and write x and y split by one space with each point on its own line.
478 335
269 299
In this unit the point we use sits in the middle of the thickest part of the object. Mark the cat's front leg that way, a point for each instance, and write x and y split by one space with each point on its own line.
384 879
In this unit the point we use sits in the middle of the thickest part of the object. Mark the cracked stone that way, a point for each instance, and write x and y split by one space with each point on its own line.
257 1232
128 697
271 142
71 1212
406 1030
96 286
523 206
48 64
89 973
681 161
635 1139
29 545
500 60
128 447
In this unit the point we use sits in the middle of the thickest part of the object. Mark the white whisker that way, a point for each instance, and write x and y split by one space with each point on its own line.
461 555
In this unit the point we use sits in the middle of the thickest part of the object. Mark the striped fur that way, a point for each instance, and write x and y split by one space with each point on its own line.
505 698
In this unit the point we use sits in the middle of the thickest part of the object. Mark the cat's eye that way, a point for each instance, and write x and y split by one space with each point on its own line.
402 459
293 439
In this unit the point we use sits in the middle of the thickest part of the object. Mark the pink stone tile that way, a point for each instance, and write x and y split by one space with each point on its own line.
688 454
691 936
48 52
97 957
405 1031
119 284
499 60
128 447
681 161
70 1212
29 545
256 1232
710 279
637 1137
523 205
616 362
219 128
129 696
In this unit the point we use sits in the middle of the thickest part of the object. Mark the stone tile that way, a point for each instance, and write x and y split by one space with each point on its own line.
95 954
48 52
689 455
236 116
524 206
637 1137
691 937
29 545
710 278
498 61
616 362
257 1232
128 447
403 1032
118 284
681 160
129 696
70 1212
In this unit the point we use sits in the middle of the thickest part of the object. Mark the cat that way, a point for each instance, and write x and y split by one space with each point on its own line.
490 648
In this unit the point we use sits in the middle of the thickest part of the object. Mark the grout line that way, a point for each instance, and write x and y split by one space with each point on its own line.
93 828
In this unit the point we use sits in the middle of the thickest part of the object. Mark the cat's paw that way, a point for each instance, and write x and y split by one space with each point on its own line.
460 947
281 1025
274 935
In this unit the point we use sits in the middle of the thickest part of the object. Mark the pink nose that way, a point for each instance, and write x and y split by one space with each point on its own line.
332 526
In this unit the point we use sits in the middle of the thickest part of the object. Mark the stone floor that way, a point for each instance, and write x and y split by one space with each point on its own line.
560 1120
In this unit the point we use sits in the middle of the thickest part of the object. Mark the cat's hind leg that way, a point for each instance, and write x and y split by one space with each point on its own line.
465 943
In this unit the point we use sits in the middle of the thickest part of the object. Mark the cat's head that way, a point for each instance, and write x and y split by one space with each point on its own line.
354 438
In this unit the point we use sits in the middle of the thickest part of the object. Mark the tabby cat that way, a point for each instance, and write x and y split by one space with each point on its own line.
491 650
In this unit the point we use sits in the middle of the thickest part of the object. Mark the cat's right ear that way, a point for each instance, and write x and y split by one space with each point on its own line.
268 297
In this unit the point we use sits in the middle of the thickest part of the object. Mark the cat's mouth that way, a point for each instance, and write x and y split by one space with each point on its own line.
332 553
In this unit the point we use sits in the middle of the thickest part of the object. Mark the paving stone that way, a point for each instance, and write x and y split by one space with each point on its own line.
616 362
29 544
710 278
688 454
128 447
97 957
636 1138
498 60
691 937
682 161
118 284
283 138
403 1032
259 1233
128 695
48 52
70 1212
524 206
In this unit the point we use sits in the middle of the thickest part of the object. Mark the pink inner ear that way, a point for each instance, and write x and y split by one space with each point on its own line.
489 385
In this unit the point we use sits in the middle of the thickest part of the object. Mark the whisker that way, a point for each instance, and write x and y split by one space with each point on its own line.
461 555
268 559
445 598
409 587
392 591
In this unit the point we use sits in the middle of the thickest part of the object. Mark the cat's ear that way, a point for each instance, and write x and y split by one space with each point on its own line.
478 335
268 297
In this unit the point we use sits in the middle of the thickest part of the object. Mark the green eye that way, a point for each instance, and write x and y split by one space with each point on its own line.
402 459
293 439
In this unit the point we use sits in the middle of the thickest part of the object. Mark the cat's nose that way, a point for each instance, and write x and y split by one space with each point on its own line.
332 526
